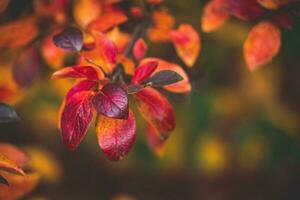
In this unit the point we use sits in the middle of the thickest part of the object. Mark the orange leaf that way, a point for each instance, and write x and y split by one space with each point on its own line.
214 15
187 43
107 21
273 4
14 154
85 11
104 54
54 8
262 44
19 186
179 87
163 23
116 136
53 55
156 110
127 64
8 164
18 33
78 71
119 38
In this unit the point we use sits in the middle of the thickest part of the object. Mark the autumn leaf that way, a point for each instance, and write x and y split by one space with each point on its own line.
144 71
71 39
78 71
9 165
284 20
187 43
273 4
81 86
214 15
116 136
107 21
53 55
7 113
182 86
163 78
262 44
104 54
127 63
111 101
76 118
139 49
15 154
85 11
18 33
163 22
156 110
19 186
119 38
26 67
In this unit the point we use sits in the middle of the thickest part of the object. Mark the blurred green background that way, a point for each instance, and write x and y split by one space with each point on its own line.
236 137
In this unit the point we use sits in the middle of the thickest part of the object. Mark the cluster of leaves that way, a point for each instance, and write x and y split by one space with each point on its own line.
106 60
264 40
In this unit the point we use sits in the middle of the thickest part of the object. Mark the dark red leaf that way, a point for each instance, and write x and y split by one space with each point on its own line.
3 181
80 87
163 78
112 101
156 110
116 136
71 39
144 71
26 67
76 118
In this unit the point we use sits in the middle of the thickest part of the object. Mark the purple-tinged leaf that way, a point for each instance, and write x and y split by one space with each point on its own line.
112 101
26 68
144 71
134 88
3 181
71 39
163 78
7 113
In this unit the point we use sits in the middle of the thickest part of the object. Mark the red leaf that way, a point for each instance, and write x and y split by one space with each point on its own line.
77 71
116 136
112 101
108 49
214 15
156 110
80 87
156 143
245 10
144 71
284 20
76 118
140 49
26 67
262 44
107 21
